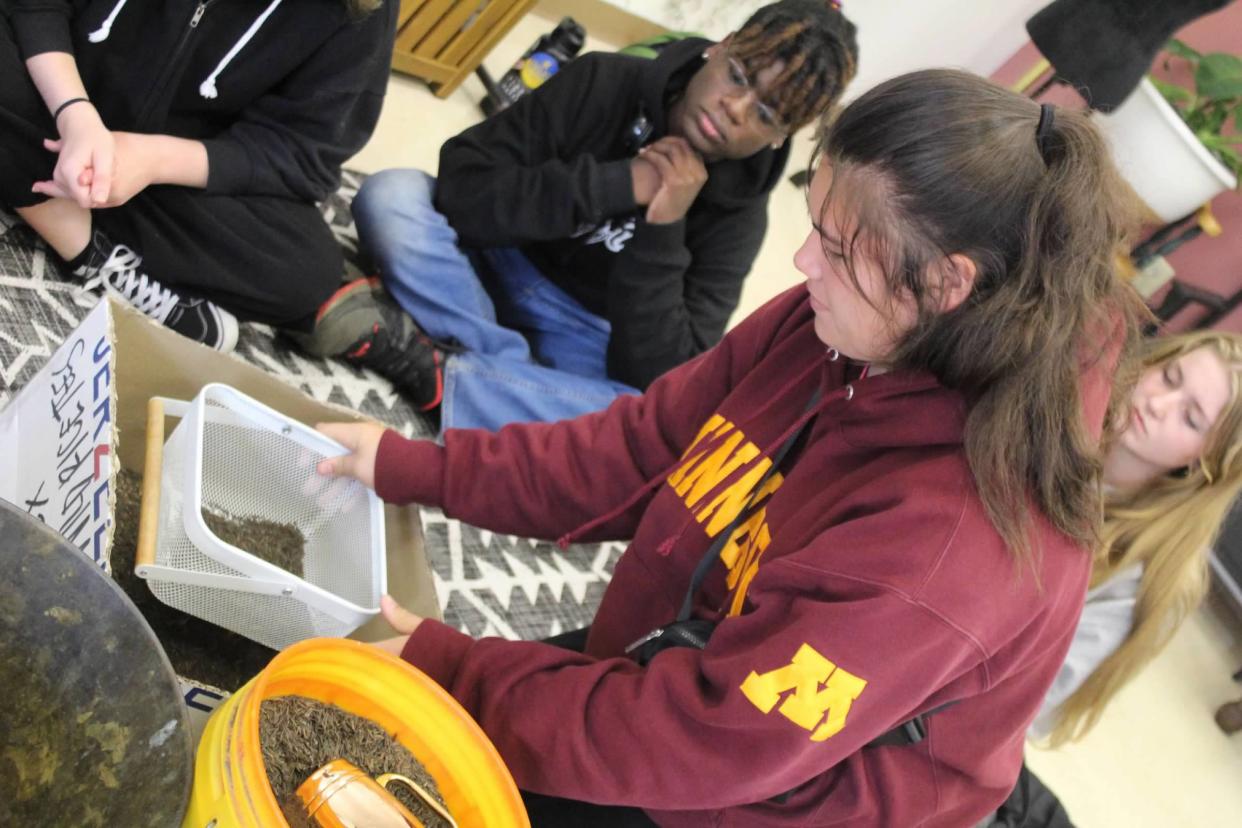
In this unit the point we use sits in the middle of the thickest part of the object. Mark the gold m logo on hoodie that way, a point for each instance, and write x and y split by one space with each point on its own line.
822 692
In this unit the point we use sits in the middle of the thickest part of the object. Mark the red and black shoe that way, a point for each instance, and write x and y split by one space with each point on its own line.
405 356
364 326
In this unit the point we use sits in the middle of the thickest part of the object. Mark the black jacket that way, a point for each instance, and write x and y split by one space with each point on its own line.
551 175
300 95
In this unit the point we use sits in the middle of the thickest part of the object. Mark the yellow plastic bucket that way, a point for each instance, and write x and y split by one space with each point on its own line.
231 789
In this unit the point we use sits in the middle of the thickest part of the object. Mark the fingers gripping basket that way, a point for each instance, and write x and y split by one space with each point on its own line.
235 457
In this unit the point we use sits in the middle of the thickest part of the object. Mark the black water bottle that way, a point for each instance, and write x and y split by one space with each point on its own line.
540 62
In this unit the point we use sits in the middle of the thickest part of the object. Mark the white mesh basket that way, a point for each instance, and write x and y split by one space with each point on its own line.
235 456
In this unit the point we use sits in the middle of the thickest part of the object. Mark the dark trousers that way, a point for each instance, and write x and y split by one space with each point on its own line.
1031 805
265 258
553 812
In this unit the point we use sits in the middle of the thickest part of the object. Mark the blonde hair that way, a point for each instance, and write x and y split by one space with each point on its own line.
1166 527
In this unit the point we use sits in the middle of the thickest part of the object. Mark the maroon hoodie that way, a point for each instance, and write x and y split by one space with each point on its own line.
868 586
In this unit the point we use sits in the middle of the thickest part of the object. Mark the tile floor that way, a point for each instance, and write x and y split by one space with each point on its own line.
1156 760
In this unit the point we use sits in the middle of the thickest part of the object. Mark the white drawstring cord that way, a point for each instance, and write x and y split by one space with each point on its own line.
101 34
208 87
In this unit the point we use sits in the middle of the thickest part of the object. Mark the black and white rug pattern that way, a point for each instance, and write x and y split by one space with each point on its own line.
487 584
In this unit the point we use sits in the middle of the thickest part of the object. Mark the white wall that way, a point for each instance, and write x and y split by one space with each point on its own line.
895 36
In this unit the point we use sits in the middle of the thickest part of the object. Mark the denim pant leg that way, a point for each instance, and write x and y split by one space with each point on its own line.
423 267
562 334
570 344
496 381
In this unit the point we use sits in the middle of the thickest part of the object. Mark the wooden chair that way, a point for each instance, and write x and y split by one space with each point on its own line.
442 41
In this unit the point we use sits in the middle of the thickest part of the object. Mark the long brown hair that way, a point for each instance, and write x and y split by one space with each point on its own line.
943 162
1166 527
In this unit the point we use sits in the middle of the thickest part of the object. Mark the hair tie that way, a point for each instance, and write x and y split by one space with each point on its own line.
1047 116
66 105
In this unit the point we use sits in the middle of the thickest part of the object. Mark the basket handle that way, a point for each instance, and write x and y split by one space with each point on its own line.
149 516
420 792
152 474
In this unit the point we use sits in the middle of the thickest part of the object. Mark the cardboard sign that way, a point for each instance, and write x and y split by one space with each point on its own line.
201 700
56 438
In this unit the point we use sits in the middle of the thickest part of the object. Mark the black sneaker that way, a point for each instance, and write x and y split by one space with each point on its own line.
349 313
405 356
195 319
362 325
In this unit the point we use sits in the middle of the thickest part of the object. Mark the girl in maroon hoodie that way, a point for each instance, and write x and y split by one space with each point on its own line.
866 510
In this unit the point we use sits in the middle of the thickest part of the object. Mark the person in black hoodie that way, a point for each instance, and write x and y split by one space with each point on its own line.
172 152
595 234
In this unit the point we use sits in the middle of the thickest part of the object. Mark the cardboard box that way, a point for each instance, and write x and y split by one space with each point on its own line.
66 435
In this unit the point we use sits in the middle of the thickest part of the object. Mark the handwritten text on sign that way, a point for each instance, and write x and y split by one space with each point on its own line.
59 428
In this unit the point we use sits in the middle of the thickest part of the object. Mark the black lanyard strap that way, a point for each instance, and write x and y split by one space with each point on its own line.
713 551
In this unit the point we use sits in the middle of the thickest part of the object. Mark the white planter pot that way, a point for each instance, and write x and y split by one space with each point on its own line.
1161 158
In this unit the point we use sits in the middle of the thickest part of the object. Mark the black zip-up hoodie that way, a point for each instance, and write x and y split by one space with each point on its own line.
281 92
551 175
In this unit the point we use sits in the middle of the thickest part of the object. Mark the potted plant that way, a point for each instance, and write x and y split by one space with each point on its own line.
1177 146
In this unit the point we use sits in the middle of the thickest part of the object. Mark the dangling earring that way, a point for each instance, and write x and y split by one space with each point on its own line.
707 55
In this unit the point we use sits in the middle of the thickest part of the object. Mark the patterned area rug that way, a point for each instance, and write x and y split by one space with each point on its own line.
487 584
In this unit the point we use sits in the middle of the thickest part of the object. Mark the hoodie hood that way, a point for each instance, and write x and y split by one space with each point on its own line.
730 183
878 413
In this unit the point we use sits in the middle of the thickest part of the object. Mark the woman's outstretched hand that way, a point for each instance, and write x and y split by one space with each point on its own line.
402 621
362 440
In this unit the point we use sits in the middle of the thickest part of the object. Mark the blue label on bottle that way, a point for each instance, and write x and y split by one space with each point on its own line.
538 68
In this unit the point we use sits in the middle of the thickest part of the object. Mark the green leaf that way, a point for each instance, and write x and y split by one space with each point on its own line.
1219 76
1219 142
1199 116
1227 154
1232 159
1172 93
1214 118
1176 47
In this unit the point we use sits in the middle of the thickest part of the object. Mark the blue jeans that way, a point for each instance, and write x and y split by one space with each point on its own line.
533 353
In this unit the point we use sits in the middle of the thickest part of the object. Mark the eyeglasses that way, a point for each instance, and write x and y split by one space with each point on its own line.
767 115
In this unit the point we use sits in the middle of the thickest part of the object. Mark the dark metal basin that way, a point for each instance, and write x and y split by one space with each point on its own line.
93 731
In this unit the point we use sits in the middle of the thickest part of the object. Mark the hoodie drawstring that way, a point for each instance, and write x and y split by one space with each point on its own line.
101 34
569 537
208 87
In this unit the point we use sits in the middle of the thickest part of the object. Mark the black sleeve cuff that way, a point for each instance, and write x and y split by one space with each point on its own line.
615 191
228 167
